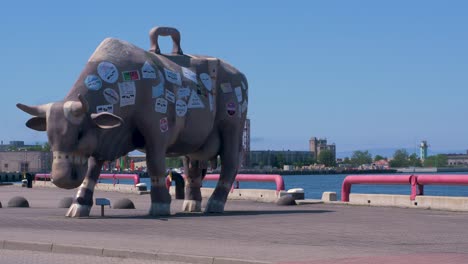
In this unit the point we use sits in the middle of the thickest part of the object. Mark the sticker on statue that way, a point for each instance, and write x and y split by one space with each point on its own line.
226 88
189 74
170 96
173 77
231 108
181 108
147 71
111 96
238 92
161 105
108 72
127 93
206 80
195 101
105 108
93 82
163 124
131 75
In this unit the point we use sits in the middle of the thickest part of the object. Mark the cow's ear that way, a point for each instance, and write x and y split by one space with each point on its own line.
37 123
106 120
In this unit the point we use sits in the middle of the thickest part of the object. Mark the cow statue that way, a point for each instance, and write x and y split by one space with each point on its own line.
171 105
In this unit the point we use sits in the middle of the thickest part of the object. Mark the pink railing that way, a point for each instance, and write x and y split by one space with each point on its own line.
440 179
114 177
376 179
253 178
245 177
416 182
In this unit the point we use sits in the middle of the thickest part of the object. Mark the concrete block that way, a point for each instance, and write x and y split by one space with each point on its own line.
237 261
441 203
309 201
380 200
68 249
184 258
329 196
16 245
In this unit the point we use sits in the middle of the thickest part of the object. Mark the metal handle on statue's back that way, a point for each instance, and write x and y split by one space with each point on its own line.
164 32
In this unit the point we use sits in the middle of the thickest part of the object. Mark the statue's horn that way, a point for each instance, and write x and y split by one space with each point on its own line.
81 107
39 110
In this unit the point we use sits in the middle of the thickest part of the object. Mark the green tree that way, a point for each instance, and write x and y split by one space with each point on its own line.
414 160
378 157
326 158
346 160
400 159
278 161
360 157
436 161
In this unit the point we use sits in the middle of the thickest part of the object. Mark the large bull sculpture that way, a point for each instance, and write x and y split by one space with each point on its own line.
127 98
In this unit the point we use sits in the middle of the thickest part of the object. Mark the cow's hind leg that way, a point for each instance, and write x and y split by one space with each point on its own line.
83 200
193 179
229 164
160 197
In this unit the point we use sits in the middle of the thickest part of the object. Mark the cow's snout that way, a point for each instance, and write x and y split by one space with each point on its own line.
68 171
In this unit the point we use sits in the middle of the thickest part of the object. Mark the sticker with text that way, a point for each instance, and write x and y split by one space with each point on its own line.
173 77
161 105
195 101
206 80
226 87
105 108
163 124
131 75
170 96
147 71
127 93
189 74
210 98
108 72
238 92
183 92
158 90
111 96
181 108
93 82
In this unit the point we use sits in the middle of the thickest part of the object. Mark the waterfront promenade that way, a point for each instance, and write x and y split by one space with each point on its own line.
247 232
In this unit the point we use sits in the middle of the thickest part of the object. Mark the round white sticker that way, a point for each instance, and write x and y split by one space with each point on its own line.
111 96
181 108
206 80
93 82
108 72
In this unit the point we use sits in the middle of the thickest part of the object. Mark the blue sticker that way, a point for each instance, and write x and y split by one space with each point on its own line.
93 82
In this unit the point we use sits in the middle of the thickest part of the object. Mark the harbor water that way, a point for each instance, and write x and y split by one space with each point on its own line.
315 185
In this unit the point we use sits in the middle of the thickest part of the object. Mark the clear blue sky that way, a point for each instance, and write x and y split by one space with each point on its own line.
364 74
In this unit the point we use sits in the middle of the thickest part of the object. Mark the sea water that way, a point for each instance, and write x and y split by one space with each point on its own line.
315 185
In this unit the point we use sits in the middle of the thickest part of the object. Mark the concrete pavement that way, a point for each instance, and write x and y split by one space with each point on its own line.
248 232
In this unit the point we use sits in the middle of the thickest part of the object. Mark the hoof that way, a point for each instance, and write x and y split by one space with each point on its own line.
214 206
160 209
78 210
191 206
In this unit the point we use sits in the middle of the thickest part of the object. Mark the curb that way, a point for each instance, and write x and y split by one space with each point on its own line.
104 252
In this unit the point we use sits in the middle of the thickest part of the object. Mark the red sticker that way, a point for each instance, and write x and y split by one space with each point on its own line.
231 108
163 125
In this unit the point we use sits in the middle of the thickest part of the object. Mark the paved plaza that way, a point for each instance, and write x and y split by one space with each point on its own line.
247 232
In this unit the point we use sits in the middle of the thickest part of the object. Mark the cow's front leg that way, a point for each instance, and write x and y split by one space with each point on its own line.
160 197
83 200
193 180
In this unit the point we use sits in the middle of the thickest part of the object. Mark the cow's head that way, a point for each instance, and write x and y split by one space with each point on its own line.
73 135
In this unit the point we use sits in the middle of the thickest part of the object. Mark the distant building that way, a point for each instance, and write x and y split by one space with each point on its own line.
457 159
316 145
25 161
273 157
14 145
423 150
